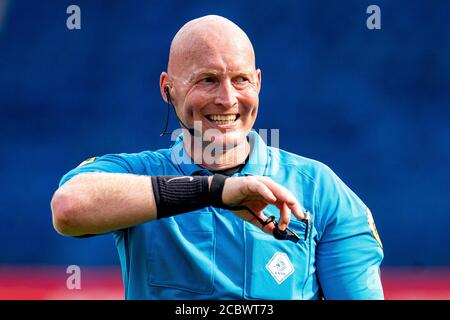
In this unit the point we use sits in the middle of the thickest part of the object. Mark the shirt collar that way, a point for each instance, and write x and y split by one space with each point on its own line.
257 163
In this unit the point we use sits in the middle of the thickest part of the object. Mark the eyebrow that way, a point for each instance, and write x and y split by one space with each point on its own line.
197 74
209 72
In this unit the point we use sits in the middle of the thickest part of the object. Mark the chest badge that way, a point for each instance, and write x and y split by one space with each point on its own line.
373 227
280 267
87 161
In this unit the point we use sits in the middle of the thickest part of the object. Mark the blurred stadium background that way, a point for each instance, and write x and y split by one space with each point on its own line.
373 105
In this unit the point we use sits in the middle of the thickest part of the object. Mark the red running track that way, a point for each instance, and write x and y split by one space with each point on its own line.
49 283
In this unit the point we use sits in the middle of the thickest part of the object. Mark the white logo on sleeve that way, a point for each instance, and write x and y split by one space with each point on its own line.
178 178
280 267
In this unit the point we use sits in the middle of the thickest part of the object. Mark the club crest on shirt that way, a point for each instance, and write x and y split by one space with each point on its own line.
373 227
87 161
280 267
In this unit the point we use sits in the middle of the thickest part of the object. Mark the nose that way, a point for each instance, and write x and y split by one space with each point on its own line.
226 95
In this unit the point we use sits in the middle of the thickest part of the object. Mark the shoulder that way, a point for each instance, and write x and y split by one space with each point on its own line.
144 158
330 196
327 181
141 163
130 162
310 169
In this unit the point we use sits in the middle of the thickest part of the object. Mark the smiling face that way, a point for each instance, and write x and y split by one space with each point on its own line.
212 78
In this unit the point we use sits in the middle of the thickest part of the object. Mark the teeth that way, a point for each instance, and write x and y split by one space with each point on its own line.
223 117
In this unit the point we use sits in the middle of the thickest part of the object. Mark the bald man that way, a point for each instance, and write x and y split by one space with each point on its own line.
221 215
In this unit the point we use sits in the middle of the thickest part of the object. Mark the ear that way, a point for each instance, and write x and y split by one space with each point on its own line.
164 81
258 75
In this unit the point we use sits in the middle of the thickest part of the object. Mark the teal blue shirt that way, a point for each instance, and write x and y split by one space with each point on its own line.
212 254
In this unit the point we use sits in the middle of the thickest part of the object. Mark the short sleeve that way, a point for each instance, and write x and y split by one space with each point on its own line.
349 251
112 163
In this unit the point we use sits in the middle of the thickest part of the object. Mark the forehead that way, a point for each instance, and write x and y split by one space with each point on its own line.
212 53
215 63
219 62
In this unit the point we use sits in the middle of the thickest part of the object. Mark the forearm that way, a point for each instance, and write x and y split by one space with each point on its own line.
93 203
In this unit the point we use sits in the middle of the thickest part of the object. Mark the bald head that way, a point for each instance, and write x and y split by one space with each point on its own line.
206 36
211 74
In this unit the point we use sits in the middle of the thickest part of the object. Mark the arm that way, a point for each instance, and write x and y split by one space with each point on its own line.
93 203
348 254
99 202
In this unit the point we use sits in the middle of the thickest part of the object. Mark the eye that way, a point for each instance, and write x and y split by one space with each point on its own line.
207 80
241 79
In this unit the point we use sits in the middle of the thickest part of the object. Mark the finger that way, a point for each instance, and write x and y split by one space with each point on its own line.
291 202
262 190
283 195
297 210
285 217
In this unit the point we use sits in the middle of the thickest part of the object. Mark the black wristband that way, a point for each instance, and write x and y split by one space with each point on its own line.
179 194
216 190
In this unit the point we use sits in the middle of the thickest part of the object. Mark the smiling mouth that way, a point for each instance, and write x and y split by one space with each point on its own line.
223 118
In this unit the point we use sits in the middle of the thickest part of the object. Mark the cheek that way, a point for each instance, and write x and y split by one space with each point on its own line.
193 105
250 105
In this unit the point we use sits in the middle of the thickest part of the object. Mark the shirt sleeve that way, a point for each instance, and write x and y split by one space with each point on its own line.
112 163
349 251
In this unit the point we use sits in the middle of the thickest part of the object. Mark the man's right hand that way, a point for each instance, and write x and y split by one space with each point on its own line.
256 193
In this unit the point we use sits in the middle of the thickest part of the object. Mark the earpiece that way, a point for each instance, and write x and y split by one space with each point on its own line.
167 91
169 102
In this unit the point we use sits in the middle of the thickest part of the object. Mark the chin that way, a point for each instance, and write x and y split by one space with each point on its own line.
230 139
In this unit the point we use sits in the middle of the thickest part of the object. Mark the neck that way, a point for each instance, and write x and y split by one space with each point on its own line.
216 157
